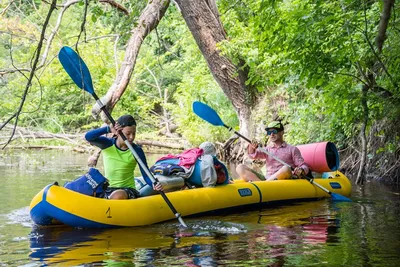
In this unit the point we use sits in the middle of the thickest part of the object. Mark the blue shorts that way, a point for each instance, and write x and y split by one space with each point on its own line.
131 192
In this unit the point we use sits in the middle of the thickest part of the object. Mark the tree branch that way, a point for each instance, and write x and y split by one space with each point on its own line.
55 30
148 20
6 8
48 43
383 24
83 30
118 6
32 73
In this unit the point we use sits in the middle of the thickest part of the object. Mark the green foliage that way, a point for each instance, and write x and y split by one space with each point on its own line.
198 86
55 103
305 56
170 60
314 51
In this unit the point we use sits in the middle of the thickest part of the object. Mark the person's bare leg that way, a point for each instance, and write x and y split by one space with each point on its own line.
246 174
119 194
283 173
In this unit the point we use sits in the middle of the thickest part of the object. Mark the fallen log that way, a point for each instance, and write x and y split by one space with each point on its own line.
77 141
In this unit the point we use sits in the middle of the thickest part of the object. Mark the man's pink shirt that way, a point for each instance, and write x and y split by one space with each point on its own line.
287 153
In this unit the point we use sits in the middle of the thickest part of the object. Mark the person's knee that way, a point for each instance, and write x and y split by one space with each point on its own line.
241 169
286 169
284 173
119 194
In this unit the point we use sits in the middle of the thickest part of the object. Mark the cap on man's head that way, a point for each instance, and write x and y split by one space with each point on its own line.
126 120
274 125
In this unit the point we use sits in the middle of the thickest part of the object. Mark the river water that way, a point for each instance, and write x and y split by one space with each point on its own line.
365 232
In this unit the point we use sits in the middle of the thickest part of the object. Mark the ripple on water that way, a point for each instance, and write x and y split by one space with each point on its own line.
219 227
20 216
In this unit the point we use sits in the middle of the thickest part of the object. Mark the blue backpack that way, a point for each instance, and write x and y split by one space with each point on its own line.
92 183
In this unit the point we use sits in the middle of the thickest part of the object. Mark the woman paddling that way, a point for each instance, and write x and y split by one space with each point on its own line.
119 163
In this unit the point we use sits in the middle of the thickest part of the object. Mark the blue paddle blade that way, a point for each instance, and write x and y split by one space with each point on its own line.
76 68
207 113
338 197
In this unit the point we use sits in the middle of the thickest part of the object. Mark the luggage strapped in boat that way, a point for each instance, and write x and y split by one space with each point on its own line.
193 177
92 183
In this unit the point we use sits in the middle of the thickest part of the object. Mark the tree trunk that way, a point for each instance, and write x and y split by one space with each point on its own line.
364 150
370 76
202 18
383 23
148 20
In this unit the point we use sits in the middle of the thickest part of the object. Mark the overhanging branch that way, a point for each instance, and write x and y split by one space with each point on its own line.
32 73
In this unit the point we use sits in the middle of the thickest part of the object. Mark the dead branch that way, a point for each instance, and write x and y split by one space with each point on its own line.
32 73
44 147
148 20
6 8
160 144
83 29
55 29
118 6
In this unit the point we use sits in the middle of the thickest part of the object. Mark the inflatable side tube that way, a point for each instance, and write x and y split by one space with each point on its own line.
320 157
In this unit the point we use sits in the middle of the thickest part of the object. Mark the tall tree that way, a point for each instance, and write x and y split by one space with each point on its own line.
374 68
148 20
204 22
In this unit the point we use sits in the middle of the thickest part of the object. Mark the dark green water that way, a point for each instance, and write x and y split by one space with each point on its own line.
365 232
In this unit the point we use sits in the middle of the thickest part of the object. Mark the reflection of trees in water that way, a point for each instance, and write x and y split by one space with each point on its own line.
274 243
269 246
55 245
280 237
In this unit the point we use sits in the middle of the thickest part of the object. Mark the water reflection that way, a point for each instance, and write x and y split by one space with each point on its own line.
266 237
362 233
145 244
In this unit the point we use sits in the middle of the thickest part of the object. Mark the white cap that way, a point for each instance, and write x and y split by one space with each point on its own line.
208 148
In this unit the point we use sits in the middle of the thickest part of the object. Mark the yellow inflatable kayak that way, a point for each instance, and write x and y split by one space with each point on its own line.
55 204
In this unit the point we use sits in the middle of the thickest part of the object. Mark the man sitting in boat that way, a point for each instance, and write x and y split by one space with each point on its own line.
282 150
119 163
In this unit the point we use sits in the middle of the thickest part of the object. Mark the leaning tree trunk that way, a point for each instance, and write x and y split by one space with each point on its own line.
202 18
148 20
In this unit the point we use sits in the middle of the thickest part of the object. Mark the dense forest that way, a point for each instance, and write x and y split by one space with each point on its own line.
329 70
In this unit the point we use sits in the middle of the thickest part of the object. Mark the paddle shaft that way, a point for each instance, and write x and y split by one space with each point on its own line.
144 167
260 148
210 115
281 161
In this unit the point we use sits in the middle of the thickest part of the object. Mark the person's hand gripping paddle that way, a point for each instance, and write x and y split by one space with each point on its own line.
210 115
79 73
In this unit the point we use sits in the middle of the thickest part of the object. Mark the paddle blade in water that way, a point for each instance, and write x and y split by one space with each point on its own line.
76 68
338 197
207 113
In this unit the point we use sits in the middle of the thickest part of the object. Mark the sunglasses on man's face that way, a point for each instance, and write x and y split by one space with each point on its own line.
273 131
